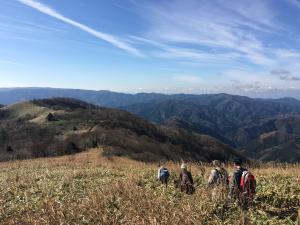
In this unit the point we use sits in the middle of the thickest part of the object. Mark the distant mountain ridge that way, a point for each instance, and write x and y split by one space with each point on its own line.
102 98
59 126
235 120
117 99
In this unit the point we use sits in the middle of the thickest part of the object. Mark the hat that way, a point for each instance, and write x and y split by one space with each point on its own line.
183 166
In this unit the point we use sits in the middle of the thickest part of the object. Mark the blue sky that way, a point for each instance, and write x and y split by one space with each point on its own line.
173 46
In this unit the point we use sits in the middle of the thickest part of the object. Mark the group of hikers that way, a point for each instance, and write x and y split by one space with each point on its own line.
240 185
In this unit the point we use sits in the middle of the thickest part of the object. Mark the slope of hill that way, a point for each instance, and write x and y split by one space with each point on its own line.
287 151
176 123
236 120
63 126
225 111
271 139
87 188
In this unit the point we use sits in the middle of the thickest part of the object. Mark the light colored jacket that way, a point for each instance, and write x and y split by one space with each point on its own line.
158 172
217 176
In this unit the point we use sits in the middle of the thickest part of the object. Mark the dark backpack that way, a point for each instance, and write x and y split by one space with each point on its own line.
164 173
186 184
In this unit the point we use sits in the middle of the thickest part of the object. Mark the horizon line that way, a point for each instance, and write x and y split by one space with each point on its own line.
155 92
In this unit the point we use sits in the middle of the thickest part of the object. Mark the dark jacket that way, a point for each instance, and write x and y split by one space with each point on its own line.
189 175
234 185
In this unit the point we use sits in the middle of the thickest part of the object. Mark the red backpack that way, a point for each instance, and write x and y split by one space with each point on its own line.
248 184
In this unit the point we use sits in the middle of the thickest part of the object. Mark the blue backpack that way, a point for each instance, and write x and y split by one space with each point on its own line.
164 173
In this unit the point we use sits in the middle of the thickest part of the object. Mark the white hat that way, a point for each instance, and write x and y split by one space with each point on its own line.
183 166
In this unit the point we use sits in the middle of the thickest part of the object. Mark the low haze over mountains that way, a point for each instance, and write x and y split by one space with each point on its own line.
103 98
266 129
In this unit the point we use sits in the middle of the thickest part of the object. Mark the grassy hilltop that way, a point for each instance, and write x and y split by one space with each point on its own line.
87 188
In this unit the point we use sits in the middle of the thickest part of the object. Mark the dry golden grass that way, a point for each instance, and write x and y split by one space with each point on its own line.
89 189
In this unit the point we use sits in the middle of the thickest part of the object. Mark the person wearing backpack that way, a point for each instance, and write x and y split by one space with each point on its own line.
218 181
163 175
218 175
242 185
186 180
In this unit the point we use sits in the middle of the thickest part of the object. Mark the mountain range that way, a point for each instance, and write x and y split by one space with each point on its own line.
59 126
264 129
101 98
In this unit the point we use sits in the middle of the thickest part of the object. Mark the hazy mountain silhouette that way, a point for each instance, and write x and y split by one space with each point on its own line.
101 98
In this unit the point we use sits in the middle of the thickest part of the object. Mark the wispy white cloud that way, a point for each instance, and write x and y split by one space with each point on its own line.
235 34
256 14
13 23
200 56
284 75
253 81
212 29
117 42
287 54
247 37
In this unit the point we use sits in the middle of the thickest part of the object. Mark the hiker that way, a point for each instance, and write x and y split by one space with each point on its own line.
242 185
218 181
186 180
163 175
218 175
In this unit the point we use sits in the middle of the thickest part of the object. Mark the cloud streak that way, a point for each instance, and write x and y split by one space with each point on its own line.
238 35
284 75
229 31
100 35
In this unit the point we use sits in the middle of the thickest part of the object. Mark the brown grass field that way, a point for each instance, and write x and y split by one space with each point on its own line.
89 189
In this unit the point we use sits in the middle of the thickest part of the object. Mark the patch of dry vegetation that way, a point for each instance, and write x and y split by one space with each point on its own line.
89 189
25 109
